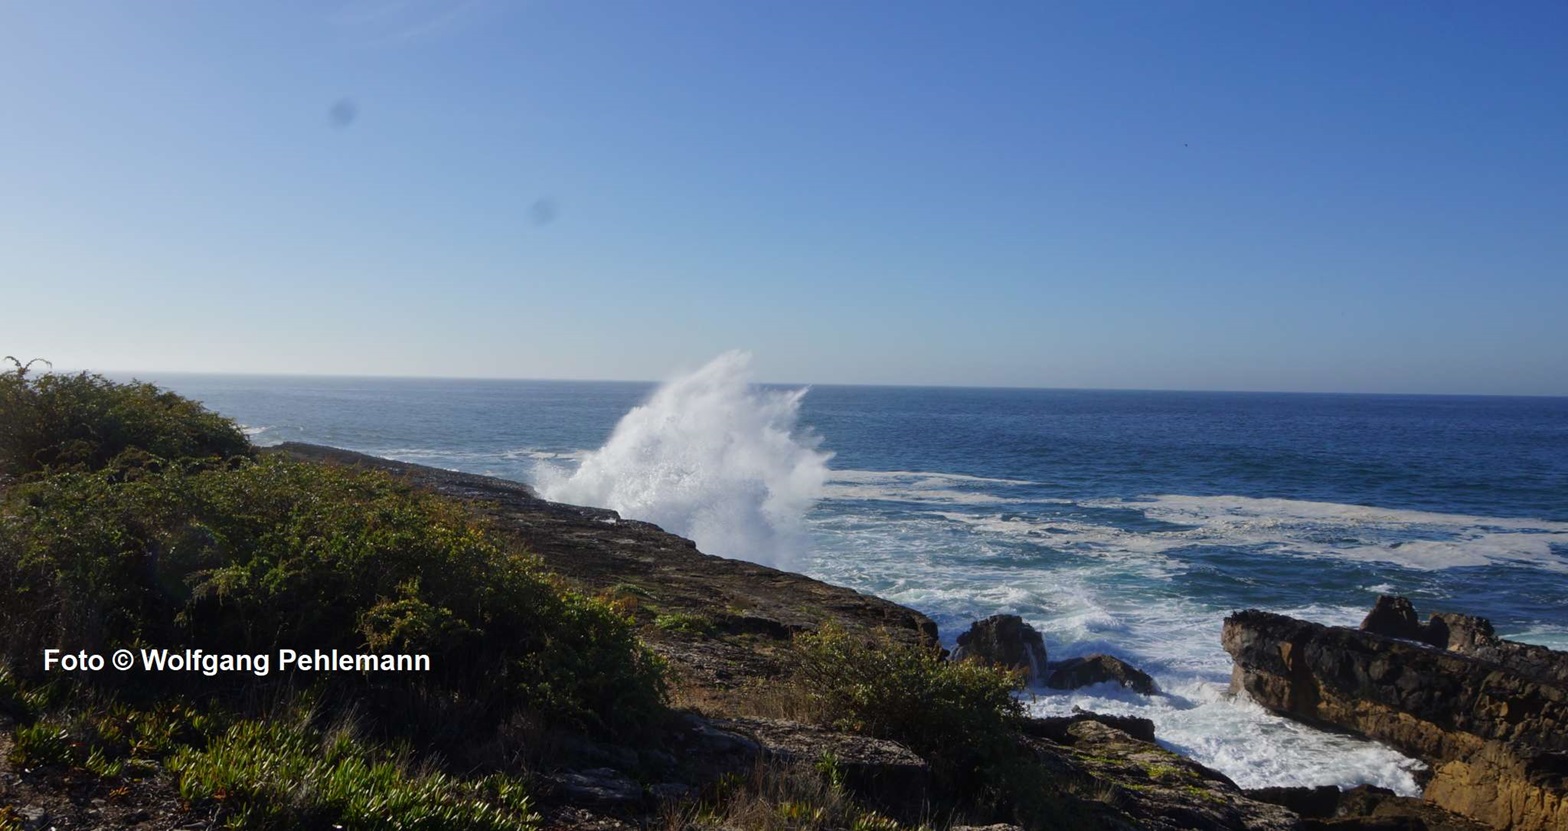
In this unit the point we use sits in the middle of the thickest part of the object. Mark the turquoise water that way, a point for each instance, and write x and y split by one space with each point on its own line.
1128 522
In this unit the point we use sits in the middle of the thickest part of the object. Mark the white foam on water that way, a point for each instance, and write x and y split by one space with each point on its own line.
1422 540
962 566
711 457
1419 540
1549 635
920 488
1255 748
919 476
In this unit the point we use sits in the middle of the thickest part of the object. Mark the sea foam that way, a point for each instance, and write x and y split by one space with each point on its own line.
712 457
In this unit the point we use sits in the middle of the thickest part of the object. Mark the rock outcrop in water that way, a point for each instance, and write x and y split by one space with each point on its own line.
1005 640
1488 715
1098 669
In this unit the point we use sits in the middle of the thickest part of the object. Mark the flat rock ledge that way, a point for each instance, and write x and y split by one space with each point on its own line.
1489 716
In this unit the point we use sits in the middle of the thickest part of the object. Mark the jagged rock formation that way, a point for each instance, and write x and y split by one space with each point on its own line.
1153 789
1364 808
1489 716
1005 640
1395 617
1097 669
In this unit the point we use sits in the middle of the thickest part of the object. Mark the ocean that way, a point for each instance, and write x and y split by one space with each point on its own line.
1113 521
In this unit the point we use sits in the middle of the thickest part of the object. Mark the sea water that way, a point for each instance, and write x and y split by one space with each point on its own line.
1122 522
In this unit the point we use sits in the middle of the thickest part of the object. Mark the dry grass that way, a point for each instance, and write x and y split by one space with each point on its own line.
780 797
783 698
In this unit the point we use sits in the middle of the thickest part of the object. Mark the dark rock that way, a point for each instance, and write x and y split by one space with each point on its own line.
1157 790
579 752
1395 617
1496 737
1005 640
33 819
713 740
1058 728
1095 669
599 786
1475 637
1318 803
884 775
670 791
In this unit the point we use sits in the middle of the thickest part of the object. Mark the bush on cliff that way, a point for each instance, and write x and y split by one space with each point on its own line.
53 422
275 554
961 716
102 549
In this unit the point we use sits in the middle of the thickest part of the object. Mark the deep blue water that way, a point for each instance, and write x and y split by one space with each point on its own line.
1129 522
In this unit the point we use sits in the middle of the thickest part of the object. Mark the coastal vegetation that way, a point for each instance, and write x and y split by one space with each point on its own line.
586 670
135 519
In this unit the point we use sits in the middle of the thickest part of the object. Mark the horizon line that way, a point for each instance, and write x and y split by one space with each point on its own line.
798 384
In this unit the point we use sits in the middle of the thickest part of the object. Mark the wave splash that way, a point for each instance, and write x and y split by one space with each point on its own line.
711 457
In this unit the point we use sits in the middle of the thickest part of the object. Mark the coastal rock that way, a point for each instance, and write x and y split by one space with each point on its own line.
1154 789
599 786
1494 730
1005 640
1475 637
1395 617
1096 669
885 775
1058 728
1363 808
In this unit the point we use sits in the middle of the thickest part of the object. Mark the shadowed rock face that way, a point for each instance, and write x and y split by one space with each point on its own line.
1153 788
886 775
1395 617
1096 669
1362 809
1494 729
1004 640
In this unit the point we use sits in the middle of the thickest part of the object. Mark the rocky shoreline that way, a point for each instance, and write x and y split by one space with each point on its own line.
1486 714
1490 717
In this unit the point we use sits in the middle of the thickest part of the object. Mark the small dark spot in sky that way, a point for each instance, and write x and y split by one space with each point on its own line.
543 211
343 112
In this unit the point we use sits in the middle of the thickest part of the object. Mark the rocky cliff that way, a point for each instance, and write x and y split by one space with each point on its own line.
1489 716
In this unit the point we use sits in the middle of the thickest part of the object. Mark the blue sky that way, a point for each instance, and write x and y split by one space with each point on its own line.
1268 196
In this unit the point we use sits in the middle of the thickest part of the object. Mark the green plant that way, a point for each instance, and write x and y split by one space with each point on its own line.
273 554
779 797
281 775
684 623
959 715
112 740
53 422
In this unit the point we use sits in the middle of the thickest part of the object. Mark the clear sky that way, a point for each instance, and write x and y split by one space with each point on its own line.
1272 196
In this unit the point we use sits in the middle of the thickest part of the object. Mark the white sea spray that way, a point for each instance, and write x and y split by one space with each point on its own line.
710 456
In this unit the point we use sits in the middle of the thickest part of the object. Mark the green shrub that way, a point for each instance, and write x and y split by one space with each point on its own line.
961 716
112 740
275 554
684 623
277 775
53 422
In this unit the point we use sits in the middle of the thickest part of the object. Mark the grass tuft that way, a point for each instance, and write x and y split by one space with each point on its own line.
277 775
